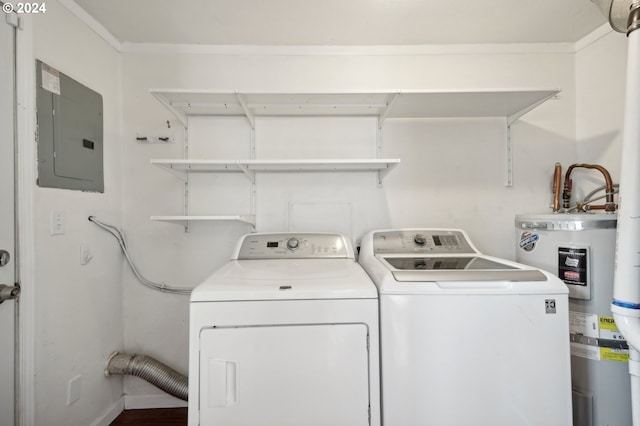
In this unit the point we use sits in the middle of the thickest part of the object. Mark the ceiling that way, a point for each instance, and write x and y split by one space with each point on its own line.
344 22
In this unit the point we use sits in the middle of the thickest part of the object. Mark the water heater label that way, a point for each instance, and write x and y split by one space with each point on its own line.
528 240
572 265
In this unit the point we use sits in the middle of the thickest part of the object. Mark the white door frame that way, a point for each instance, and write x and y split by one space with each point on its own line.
26 187
8 237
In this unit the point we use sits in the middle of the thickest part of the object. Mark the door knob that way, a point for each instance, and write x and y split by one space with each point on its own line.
8 292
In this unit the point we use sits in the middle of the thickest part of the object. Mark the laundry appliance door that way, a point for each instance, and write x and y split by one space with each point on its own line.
287 375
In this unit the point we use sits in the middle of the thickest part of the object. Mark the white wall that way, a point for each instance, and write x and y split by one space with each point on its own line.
600 83
78 309
451 175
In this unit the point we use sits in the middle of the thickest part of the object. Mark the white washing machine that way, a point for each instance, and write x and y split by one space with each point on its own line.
284 334
467 339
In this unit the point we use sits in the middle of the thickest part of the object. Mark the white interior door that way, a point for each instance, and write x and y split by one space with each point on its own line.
7 227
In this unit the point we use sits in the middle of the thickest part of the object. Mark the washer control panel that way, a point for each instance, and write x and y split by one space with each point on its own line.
293 245
432 241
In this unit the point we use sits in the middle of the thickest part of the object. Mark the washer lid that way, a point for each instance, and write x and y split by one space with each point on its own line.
286 279
458 268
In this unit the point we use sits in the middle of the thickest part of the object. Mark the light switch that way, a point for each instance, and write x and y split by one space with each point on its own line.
56 223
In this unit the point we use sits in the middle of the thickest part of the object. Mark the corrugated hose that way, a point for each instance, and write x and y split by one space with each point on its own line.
151 370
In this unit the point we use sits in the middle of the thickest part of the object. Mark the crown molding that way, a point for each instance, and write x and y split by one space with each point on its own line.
92 23
392 50
592 37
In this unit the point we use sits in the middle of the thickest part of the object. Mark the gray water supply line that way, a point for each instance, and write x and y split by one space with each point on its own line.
119 236
151 370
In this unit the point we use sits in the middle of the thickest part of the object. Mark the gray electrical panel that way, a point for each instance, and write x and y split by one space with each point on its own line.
70 132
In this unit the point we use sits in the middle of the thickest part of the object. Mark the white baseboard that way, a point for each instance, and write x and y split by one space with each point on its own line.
111 414
139 402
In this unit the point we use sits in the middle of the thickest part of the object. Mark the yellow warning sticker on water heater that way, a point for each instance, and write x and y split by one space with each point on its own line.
596 337
609 354
607 323
609 333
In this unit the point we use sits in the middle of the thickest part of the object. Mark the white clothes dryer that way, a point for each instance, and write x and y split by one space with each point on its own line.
285 333
467 339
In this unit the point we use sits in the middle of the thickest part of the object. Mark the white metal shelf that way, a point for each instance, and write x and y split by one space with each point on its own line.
181 168
184 220
510 104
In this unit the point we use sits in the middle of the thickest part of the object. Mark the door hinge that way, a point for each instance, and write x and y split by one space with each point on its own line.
13 20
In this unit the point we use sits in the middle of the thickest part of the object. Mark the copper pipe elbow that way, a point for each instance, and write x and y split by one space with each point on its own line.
609 205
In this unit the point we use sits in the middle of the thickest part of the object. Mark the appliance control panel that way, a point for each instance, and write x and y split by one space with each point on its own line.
294 245
412 241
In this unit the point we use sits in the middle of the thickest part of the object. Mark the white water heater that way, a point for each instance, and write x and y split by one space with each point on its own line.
580 250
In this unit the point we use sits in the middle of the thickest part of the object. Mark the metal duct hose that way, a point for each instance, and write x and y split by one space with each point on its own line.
151 370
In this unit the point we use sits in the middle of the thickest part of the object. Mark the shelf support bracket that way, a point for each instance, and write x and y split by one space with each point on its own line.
180 175
179 114
516 115
379 150
247 171
382 173
509 120
508 156
383 115
247 111
187 226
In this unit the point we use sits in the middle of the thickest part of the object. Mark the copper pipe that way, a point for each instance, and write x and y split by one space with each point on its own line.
557 178
609 205
566 191
587 207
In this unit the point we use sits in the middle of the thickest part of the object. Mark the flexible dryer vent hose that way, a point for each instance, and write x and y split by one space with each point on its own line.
151 370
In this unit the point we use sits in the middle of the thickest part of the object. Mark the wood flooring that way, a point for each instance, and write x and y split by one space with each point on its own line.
152 417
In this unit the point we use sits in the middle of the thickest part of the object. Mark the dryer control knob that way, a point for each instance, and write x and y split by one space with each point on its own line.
293 243
420 239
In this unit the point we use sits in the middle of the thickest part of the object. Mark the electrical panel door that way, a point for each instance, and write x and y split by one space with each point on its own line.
70 132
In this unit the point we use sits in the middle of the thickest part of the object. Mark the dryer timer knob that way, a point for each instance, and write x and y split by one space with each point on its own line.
293 243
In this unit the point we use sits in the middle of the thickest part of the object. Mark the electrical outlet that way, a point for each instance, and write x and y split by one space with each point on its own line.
56 223
74 389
